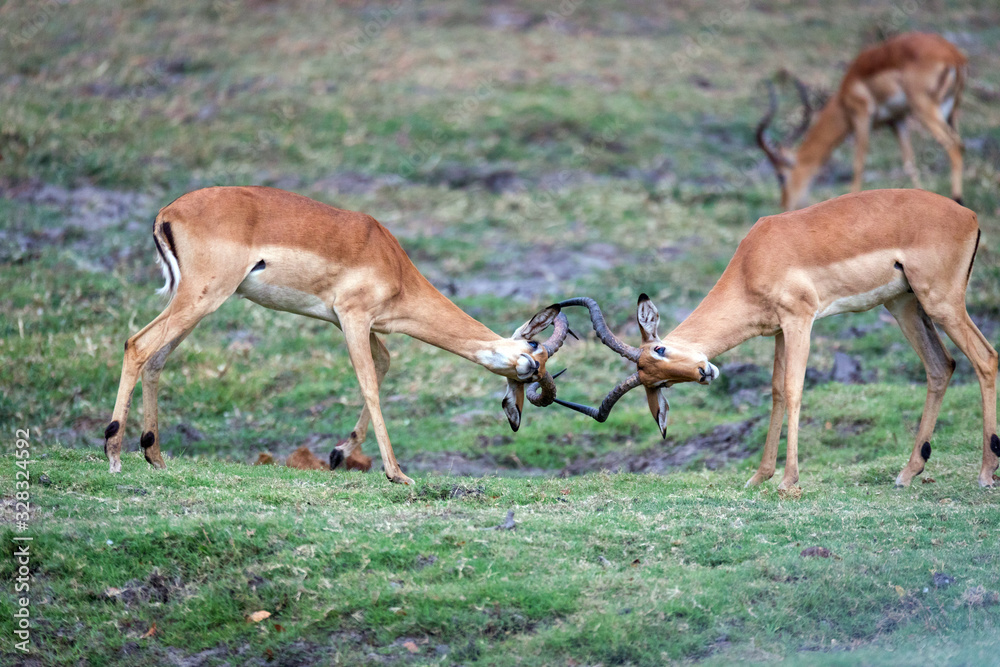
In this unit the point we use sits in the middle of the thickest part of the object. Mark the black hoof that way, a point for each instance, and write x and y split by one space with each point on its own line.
336 458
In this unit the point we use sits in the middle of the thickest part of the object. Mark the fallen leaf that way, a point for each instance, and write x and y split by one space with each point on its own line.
279 627
927 480
944 501
411 647
636 562
398 611
112 592
822 552
900 590
151 631
258 616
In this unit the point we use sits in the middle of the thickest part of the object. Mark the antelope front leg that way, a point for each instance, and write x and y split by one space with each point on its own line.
349 451
902 131
357 335
862 127
796 358
769 459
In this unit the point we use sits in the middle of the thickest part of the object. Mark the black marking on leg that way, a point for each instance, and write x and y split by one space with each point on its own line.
126 346
259 266
897 265
336 458
972 261
925 451
958 200
111 430
148 460
995 444
954 364
354 435
147 439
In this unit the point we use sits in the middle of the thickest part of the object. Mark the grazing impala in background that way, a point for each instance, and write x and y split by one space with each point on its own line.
915 74
910 250
287 252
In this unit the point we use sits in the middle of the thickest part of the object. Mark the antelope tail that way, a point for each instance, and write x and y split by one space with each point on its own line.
166 257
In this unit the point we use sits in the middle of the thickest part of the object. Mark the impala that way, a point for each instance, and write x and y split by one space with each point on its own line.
914 74
287 252
910 250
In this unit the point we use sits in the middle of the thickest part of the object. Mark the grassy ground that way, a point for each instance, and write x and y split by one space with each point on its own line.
596 148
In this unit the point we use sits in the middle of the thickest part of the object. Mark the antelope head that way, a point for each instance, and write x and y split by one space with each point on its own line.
659 364
527 363
781 156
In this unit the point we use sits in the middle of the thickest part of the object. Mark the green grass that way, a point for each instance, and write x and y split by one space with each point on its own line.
612 569
627 131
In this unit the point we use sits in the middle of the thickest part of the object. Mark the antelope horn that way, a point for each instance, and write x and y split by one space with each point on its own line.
806 110
600 414
543 392
560 327
601 328
776 160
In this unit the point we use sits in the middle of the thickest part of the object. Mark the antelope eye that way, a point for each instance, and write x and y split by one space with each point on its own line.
533 345
660 350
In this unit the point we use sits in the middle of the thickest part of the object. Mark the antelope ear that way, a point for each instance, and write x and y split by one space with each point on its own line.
513 401
649 319
537 324
660 407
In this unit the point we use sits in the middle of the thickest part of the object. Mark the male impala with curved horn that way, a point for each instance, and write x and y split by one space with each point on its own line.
915 74
287 252
910 250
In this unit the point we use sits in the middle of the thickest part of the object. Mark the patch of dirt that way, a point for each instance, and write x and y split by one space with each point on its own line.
464 465
724 444
88 211
155 589
543 270
355 183
9 510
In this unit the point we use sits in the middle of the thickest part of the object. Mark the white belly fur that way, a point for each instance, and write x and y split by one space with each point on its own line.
857 303
290 300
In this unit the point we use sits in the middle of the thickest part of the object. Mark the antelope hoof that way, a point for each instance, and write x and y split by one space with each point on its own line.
115 466
400 478
757 479
987 481
336 458
787 484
